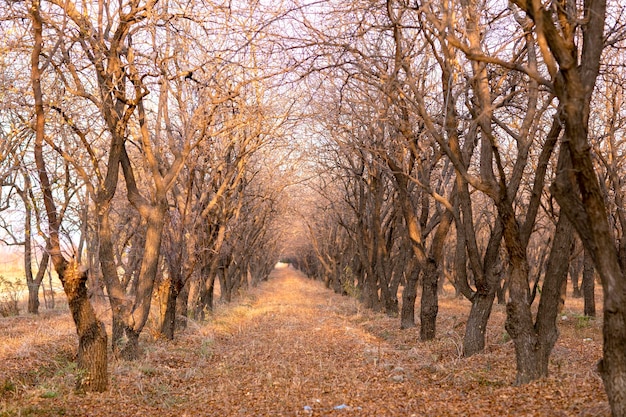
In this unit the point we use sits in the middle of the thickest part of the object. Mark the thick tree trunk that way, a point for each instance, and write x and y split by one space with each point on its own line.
409 294
225 285
33 298
116 294
370 291
487 280
130 351
612 366
474 341
519 325
167 325
147 275
175 285
182 305
390 296
117 333
574 273
429 301
92 337
206 298
549 304
389 300
519 321
339 282
589 280
204 301
431 275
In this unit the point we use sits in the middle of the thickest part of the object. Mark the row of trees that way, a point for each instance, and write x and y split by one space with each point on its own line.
141 157
474 140
478 141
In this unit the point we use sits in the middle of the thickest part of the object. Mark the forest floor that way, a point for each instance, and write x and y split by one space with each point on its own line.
290 347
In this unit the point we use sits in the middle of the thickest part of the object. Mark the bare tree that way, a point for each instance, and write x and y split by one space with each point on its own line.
92 347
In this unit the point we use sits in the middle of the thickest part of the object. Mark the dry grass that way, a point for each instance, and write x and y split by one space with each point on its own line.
292 348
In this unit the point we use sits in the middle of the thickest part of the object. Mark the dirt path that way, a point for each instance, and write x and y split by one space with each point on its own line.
292 348
300 355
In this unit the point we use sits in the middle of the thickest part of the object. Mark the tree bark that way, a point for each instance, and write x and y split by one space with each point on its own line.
574 273
182 304
474 339
519 321
589 280
429 306
92 345
147 275
429 302
550 302
167 325
574 84
482 300
92 337
409 294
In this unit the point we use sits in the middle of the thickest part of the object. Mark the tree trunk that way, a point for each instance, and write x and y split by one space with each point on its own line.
519 325
33 298
130 351
574 273
519 321
391 303
92 336
116 294
117 332
549 304
430 282
206 297
501 288
147 275
474 341
407 316
175 285
487 279
204 300
49 300
225 286
167 324
589 280
370 291
32 284
182 304
429 301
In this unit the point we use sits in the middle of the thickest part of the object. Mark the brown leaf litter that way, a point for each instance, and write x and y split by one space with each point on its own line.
290 347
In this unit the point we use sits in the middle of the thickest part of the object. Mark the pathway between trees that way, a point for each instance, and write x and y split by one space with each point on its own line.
293 348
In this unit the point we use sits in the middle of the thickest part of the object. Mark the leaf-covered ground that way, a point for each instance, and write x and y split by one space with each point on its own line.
292 348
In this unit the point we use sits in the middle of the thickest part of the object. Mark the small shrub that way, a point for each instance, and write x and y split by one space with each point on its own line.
583 321
148 370
49 394
9 297
348 283
7 387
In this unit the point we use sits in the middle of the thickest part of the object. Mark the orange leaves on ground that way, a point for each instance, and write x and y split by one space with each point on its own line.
292 348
